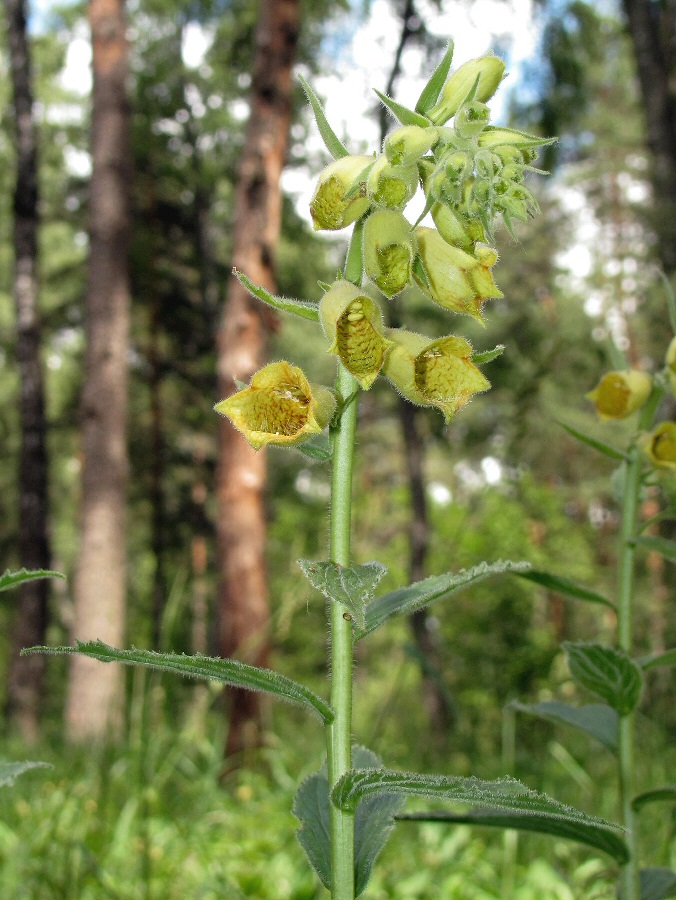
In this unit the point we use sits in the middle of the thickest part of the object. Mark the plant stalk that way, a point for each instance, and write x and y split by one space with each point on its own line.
339 733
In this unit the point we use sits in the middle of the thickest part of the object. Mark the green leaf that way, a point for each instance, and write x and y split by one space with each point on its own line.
353 586
595 719
354 261
592 835
565 586
479 359
402 113
665 794
408 599
316 448
374 822
504 794
306 309
9 771
671 301
14 579
226 671
333 144
606 672
430 93
668 658
601 446
657 884
659 545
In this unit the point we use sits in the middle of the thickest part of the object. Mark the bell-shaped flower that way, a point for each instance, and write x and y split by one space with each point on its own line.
406 145
471 119
340 198
490 71
390 185
279 407
388 250
431 372
659 446
454 279
619 394
353 324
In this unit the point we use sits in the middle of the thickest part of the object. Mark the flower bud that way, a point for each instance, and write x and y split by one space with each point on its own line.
619 394
659 446
455 230
353 324
334 204
407 144
502 139
388 250
471 119
391 186
670 361
436 373
279 407
490 70
455 279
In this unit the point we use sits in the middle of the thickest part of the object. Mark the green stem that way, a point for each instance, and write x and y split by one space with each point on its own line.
339 733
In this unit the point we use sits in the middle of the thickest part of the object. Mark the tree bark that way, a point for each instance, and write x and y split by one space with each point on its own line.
652 28
26 674
95 692
243 595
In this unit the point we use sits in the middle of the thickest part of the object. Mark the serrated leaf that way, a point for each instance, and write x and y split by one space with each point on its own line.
479 359
595 719
591 835
420 594
606 672
352 586
505 794
566 586
403 114
316 448
665 794
373 824
331 141
668 658
430 93
10 771
601 446
14 579
664 547
303 308
657 884
226 671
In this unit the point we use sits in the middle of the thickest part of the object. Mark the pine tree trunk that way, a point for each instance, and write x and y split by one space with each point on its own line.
243 596
95 692
25 675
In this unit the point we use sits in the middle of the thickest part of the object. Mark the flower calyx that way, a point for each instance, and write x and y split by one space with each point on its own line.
279 407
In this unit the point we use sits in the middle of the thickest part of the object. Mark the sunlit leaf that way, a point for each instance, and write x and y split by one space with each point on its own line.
226 671
606 672
565 586
402 113
595 719
331 141
14 579
430 93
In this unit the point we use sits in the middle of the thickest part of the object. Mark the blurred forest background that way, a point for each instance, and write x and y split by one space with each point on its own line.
118 316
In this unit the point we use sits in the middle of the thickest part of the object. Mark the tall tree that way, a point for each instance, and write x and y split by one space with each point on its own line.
25 675
94 701
243 596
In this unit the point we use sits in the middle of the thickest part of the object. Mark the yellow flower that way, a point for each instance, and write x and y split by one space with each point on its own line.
436 373
388 250
353 324
279 407
619 394
659 446
456 280
338 200
391 186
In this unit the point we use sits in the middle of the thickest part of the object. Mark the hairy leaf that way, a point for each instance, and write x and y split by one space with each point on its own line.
601 446
352 586
595 719
402 113
565 586
664 794
408 599
331 141
9 771
306 309
14 579
430 93
226 671
602 838
606 672
479 359
657 884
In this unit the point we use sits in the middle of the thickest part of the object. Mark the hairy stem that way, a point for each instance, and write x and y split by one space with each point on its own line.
339 733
